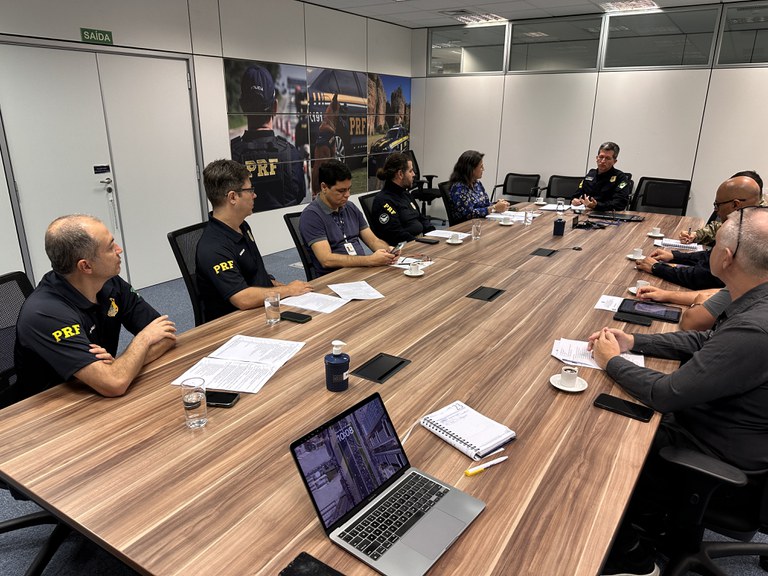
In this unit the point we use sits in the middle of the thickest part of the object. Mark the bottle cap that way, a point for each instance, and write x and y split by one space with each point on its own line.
337 344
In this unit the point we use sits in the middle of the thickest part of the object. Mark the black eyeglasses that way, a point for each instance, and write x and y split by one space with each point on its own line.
741 219
718 204
247 189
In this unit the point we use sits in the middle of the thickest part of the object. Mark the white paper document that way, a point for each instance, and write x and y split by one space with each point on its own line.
405 262
447 234
356 291
575 352
677 245
515 216
610 303
315 302
553 207
242 364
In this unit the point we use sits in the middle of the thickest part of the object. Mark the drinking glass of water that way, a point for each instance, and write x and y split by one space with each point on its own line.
193 398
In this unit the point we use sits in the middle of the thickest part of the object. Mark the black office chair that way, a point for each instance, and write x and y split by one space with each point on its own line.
366 203
15 287
445 193
184 245
292 221
563 186
422 189
721 498
662 196
518 187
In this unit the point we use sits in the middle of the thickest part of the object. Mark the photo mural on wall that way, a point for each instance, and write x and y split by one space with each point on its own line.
286 120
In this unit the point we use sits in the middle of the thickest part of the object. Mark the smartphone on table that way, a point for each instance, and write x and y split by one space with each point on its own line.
624 407
221 399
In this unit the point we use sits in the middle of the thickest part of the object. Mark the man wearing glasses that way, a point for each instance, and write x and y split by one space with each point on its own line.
732 194
717 401
605 188
230 271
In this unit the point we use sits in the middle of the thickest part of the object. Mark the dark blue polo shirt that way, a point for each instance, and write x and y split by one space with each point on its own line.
227 262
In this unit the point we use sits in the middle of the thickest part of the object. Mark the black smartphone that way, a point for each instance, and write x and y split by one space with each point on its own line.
624 407
427 239
396 249
221 399
651 310
295 317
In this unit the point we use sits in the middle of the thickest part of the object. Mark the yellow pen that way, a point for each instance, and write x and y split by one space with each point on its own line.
478 469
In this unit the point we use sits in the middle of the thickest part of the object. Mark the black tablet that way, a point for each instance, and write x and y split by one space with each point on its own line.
652 310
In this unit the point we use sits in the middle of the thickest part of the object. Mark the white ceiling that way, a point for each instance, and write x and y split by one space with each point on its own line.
426 13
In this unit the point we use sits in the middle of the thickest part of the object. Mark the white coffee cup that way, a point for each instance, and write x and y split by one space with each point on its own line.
413 268
569 376
507 220
540 199
637 253
656 231
640 284
454 237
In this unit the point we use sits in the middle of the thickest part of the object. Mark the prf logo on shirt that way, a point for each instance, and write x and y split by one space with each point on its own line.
262 167
222 266
66 332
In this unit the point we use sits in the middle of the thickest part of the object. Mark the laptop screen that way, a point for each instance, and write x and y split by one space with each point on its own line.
346 461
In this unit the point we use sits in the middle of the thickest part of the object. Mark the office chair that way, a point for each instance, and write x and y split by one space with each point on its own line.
422 189
15 287
292 221
563 186
721 498
366 203
518 187
184 246
445 193
662 196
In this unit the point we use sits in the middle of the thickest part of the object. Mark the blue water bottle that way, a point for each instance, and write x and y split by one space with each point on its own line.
337 368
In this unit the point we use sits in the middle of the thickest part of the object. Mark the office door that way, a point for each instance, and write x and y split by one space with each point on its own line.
149 122
54 126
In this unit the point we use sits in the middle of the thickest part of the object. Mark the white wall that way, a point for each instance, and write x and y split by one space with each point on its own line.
10 255
396 58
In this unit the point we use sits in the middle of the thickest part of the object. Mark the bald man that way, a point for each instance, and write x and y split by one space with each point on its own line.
733 194
69 327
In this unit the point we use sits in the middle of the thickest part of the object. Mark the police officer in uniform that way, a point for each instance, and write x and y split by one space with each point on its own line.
230 271
276 165
69 326
605 188
395 216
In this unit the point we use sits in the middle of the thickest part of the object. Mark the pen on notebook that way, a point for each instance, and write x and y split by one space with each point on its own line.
478 469
689 230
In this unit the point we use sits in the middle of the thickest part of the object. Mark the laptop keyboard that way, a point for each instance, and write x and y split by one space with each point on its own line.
393 516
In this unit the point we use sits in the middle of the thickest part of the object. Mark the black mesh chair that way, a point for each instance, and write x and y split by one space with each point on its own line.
15 287
366 203
422 189
662 196
563 186
518 187
453 218
721 498
292 221
184 245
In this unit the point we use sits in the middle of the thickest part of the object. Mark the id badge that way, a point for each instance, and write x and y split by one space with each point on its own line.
350 248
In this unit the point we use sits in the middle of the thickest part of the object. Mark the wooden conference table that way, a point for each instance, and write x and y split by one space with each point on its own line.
227 499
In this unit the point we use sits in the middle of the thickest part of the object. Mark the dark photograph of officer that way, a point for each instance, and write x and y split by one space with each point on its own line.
277 168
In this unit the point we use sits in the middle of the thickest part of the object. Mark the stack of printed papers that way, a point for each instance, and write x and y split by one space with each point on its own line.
242 364
677 245
575 352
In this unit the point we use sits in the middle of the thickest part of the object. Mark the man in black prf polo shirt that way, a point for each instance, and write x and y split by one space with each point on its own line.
230 271
69 326
605 188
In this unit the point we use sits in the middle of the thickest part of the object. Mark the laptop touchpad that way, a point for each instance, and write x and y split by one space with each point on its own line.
434 533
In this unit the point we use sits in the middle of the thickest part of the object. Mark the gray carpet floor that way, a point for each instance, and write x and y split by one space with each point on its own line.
78 556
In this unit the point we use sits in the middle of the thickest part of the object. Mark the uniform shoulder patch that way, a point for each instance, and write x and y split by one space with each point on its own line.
613 179
383 218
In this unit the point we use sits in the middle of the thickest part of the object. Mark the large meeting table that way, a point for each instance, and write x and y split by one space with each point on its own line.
227 498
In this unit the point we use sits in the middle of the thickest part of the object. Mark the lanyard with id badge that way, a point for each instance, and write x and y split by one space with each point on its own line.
348 246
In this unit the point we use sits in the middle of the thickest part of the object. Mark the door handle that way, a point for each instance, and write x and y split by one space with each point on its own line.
106 181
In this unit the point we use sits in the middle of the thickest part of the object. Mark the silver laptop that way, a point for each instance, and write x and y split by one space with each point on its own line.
369 499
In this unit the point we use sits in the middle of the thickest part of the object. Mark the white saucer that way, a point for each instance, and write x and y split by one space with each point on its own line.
652 235
505 223
632 290
413 274
449 241
581 384
540 203
633 257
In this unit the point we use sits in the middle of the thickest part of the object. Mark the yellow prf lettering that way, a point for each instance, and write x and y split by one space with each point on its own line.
66 332
228 265
266 167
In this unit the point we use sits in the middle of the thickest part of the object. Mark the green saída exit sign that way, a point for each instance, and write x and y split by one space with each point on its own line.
96 36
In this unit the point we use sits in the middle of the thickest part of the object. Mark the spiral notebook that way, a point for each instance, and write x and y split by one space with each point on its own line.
468 430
